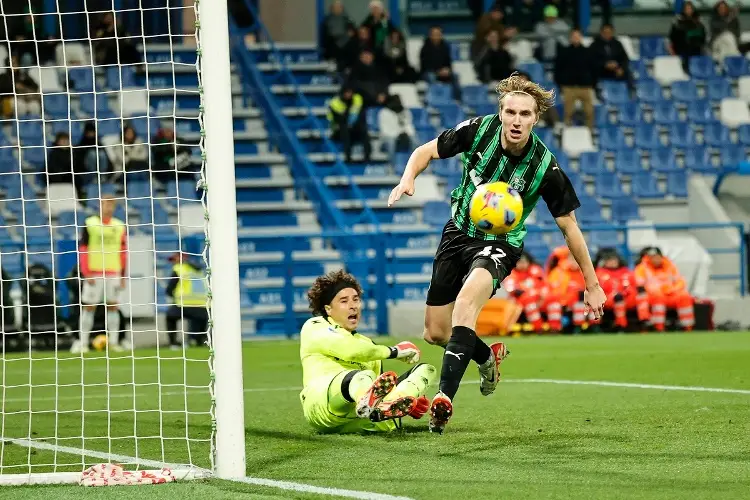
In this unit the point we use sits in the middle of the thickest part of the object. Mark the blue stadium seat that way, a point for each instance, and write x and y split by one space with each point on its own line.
643 185
718 89
701 67
426 135
601 239
436 212
615 92
684 91
736 66
665 114
420 118
663 160
439 94
95 105
681 135
55 106
591 163
601 116
716 135
624 208
11 185
649 91
732 155
485 109
450 115
590 211
70 218
143 189
647 137
121 77
698 159
33 156
611 139
474 95
81 78
608 185
38 236
743 133
447 167
547 136
639 70
8 162
144 127
372 119
700 112
652 46
534 69
628 161
31 133
677 184
630 114
109 127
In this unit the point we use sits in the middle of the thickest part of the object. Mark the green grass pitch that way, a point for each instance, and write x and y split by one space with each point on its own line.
528 440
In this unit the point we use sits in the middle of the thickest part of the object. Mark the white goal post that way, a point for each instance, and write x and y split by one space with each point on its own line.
120 322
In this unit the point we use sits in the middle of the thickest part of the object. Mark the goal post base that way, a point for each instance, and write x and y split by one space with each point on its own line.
50 478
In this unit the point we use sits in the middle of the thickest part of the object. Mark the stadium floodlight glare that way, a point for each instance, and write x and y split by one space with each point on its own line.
79 80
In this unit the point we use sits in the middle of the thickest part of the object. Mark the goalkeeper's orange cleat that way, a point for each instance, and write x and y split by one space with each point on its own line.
441 411
419 410
379 389
389 410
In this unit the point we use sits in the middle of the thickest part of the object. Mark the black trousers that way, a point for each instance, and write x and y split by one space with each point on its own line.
195 317
349 136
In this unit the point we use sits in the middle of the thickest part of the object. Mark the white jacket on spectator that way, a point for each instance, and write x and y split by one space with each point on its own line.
393 124
120 155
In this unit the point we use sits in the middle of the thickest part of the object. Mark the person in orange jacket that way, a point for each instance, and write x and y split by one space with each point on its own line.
665 288
526 285
566 284
618 283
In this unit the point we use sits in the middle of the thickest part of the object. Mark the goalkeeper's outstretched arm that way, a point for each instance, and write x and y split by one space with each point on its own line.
418 162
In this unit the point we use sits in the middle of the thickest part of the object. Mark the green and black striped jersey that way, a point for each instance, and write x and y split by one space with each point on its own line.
534 173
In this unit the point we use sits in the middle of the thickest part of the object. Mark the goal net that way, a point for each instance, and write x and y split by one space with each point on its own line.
108 352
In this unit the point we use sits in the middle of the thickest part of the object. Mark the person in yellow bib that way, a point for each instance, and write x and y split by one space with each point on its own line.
103 255
345 389
187 288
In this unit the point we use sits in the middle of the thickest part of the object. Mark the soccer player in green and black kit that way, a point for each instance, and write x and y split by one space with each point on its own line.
470 265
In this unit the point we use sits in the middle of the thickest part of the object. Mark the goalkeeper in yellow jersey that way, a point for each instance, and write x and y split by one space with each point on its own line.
344 387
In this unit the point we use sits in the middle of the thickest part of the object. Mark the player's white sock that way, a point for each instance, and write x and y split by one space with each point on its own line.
113 330
87 323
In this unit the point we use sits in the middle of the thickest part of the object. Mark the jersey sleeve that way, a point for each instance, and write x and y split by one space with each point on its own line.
557 191
459 138
322 338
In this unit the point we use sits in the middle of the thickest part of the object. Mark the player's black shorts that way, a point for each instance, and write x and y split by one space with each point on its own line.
458 254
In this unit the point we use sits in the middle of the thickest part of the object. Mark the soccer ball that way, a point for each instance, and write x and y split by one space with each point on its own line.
496 208
100 342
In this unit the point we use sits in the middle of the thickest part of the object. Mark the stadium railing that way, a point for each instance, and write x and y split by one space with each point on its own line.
374 266
285 77
742 168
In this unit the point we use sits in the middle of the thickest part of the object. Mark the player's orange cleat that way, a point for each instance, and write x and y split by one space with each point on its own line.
419 410
379 389
489 373
441 411
389 410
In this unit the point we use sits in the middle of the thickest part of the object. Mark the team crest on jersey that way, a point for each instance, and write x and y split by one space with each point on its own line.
517 183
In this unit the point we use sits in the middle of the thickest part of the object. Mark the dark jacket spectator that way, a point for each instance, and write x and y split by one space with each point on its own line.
18 82
493 62
85 156
378 24
369 80
60 160
574 74
395 60
170 155
111 44
611 62
527 14
335 31
687 37
435 56
490 21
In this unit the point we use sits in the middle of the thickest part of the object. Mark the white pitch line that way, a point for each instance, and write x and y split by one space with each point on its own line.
270 483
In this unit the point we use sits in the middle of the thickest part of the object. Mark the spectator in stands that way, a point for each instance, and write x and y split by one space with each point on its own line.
665 288
171 157
346 117
552 32
725 32
493 62
611 62
60 160
187 290
396 127
27 38
396 61
369 80
489 22
85 159
527 14
574 74
131 155
687 36
335 32
551 116
110 41
378 24
19 93
436 61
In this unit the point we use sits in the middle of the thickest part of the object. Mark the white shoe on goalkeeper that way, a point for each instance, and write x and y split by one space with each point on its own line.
489 373
78 348
379 389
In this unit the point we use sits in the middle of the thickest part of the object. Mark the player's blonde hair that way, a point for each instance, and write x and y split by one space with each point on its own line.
520 84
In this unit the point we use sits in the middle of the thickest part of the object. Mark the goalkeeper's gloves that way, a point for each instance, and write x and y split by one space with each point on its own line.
405 351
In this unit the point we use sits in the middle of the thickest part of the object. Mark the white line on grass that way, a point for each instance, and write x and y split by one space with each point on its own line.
629 385
270 483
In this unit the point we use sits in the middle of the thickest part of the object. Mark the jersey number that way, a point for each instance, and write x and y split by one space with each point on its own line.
498 254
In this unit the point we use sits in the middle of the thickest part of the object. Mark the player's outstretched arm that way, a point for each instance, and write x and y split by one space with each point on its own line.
594 296
418 162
